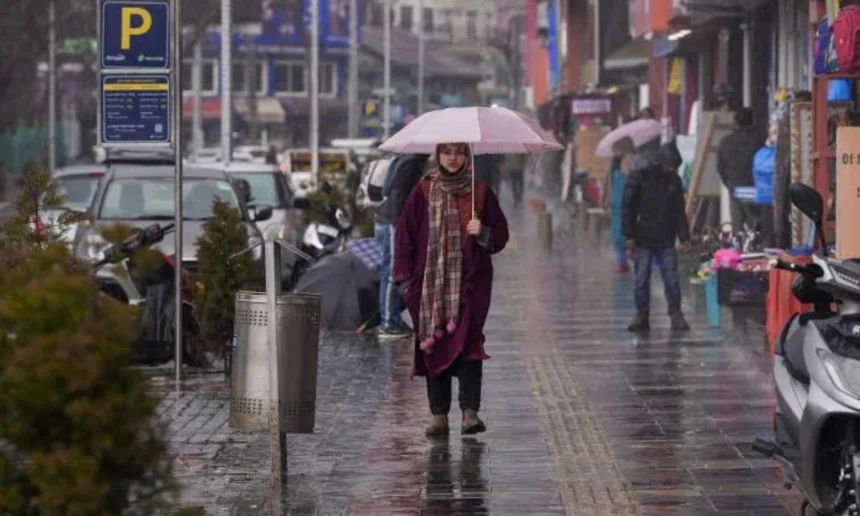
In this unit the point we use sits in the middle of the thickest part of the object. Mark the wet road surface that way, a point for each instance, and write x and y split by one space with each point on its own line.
584 419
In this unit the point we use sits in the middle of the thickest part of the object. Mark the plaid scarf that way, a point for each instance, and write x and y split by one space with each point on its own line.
443 273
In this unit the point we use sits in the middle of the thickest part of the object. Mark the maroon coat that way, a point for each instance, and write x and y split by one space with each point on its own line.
410 256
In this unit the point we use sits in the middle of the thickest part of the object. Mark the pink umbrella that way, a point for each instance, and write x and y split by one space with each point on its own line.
487 130
640 131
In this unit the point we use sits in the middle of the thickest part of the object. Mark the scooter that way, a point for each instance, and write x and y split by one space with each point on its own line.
322 238
155 293
817 375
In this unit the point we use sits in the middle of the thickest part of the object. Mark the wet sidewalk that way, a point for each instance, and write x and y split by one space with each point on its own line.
584 419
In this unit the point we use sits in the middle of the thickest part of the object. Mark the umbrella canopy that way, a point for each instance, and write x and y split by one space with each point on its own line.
488 130
349 290
368 250
640 131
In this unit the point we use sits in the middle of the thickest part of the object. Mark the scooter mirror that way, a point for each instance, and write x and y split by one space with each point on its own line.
808 201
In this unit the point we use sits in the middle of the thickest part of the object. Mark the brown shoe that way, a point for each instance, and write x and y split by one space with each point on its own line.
438 426
472 424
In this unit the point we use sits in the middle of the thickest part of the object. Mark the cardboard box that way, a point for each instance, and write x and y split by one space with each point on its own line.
847 192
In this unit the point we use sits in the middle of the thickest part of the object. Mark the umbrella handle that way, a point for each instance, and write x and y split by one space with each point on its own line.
472 157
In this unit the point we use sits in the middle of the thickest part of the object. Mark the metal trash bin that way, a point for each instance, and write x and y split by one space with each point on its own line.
298 334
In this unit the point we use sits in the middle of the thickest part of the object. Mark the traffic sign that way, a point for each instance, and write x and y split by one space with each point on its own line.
135 34
136 109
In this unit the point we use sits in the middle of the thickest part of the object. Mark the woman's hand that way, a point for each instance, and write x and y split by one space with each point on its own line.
474 227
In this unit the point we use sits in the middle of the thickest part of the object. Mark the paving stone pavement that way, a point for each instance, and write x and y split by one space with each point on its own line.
584 419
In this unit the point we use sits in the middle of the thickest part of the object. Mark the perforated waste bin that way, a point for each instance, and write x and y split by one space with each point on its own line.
298 319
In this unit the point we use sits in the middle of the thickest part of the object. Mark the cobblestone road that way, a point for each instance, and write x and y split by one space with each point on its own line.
583 418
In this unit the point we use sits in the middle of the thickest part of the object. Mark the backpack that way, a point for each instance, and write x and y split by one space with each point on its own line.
825 55
377 176
845 38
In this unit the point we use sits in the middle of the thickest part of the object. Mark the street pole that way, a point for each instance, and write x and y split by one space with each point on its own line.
315 89
177 190
353 69
746 27
420 57
386 105
226 81
197 102
52 86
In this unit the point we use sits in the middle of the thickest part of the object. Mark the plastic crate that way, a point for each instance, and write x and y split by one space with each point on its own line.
742 287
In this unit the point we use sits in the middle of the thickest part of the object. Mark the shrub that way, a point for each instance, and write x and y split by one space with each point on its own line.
220 277
78 433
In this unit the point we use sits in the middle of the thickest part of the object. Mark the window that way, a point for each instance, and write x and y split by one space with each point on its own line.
290 77
328 79
208 77
258 77
427 20
266 189
472 26
406 17
77 191
446 27
377 11
152 199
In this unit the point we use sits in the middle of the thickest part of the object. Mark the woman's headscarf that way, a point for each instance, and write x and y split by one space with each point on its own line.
443 272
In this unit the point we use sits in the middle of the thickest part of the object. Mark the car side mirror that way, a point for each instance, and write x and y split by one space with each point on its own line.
302 203
243 188
260 213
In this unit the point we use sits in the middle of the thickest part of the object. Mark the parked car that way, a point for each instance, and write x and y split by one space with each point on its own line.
77 185
269 187
139 191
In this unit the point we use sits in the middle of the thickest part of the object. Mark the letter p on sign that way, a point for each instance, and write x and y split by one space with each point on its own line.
127 30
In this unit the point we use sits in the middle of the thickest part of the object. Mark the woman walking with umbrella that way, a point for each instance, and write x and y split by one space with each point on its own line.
447 231
449 228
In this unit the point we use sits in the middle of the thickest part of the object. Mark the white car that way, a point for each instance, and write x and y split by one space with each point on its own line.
77 186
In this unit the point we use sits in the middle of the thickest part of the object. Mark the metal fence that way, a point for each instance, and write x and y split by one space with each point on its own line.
25 147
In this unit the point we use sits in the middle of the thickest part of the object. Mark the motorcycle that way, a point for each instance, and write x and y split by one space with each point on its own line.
817 380
155 293
322 238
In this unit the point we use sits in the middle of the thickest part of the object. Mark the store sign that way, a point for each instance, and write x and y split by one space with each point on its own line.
847 192
597 106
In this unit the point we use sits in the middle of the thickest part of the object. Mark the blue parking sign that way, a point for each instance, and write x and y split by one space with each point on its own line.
135 34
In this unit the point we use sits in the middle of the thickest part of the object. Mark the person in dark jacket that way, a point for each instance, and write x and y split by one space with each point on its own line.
653 219
406 173
735 163
488 168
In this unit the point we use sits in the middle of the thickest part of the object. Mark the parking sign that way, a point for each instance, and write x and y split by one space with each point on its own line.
135 34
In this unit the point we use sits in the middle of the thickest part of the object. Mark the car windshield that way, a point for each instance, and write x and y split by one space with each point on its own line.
152 199
77 191
266 190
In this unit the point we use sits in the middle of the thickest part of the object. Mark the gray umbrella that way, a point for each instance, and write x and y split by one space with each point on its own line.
349 290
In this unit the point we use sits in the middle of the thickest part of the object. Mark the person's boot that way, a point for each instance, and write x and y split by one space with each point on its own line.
472 424
438 426
639 323
678 322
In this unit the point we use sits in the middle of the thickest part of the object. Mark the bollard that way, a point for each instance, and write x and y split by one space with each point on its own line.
273 291
713 301
545 229
595 226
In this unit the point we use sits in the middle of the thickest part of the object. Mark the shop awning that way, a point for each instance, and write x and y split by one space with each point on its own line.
717 7
210 109
633 54
269 110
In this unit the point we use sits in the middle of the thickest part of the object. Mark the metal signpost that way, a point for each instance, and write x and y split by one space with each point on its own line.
140 97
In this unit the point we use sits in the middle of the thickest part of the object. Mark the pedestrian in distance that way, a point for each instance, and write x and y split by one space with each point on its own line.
735 155
653 220
515 165
403 175
443 266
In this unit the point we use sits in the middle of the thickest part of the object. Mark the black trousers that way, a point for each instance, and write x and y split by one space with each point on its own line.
469 373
